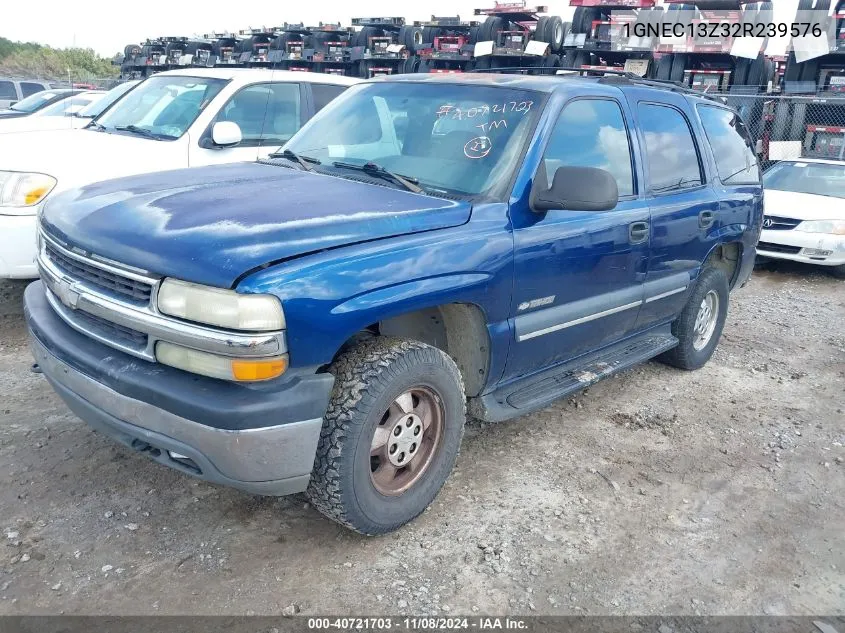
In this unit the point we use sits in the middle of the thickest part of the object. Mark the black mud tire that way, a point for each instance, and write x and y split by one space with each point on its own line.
368 378
423 67
568 59
664 67
411 37
685 356
679 64
490 29
483 63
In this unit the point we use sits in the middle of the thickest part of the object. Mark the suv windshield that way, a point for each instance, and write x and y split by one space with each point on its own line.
98 107
458 139
39 100
820 179
162 107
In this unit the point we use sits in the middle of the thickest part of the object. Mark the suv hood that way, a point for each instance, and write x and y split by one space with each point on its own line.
211 225
40 123
78 157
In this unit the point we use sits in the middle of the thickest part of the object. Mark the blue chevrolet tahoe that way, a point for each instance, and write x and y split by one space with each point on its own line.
427 247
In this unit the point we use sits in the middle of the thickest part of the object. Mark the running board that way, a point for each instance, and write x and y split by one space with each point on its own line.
537 391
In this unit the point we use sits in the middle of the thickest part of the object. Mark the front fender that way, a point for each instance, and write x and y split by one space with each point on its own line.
329 296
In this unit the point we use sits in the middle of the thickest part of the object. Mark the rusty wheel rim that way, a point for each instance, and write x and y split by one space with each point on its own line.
406 440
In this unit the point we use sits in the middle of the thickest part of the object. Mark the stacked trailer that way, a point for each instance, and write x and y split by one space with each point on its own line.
603 35
384 46
447 45
255 46
516 36
155 55
225 48
708 62
323 48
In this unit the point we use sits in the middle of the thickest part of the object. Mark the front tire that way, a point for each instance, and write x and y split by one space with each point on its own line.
700 325
391 434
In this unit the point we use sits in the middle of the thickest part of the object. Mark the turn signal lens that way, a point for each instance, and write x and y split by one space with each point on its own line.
222 367
249 370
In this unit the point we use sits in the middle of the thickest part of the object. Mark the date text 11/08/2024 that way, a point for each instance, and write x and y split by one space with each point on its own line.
418 623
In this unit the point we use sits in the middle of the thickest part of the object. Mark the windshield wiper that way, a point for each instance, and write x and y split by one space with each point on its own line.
137 130
302 160
97 126
373 169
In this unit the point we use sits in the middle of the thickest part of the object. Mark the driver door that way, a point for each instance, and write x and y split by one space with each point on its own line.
268 115
578 275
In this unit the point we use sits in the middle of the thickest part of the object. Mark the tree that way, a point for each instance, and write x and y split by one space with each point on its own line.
28 59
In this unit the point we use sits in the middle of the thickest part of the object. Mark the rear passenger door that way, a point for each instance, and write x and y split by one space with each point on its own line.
738 182
578 275
684 208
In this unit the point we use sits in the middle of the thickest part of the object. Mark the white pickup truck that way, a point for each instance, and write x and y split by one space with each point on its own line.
173 120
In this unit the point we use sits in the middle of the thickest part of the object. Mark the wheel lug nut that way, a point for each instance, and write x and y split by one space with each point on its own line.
397 430
417 430
413 447
401 458
393 448
409 422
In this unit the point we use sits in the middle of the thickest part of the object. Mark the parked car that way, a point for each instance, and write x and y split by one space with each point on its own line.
76 119
173 120
805 213
321 320
36 102
13 90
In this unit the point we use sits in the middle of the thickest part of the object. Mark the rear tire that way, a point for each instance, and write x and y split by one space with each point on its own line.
385 389
701 322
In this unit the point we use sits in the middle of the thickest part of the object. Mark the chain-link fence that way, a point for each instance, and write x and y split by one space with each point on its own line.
789 127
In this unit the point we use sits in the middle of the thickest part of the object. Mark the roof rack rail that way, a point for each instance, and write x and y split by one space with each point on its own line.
611 76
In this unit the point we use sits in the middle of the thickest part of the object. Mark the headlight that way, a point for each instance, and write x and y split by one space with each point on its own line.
223 308
18 189
833 227
223 367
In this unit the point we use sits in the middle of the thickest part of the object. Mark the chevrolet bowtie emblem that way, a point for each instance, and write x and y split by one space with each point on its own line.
67 294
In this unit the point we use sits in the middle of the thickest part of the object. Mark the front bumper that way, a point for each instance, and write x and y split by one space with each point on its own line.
259 438
17 247
793 245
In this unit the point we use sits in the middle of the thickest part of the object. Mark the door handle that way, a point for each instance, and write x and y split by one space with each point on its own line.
706 219
638 232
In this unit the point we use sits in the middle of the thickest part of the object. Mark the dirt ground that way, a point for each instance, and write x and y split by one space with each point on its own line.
656 492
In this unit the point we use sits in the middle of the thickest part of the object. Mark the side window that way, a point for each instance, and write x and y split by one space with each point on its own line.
736 160
29 88
7 90
592 133
672 157
268 114
323 93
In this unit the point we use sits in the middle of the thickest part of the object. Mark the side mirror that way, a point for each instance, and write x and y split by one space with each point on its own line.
226 134
575 189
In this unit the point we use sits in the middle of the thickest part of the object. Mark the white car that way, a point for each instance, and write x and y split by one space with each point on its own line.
74 117
805 213
173 120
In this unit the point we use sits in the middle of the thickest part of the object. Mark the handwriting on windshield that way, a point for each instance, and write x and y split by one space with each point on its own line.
478 147
492 125
459 114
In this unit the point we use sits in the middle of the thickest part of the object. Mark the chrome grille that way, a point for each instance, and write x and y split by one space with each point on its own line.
775 223
135 292
112 331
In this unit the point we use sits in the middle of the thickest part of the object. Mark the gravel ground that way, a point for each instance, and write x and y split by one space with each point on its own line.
656 492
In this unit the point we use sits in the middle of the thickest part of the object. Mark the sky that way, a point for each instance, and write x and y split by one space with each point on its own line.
107 26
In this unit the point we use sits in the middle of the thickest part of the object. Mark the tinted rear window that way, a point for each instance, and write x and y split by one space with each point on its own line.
733 150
